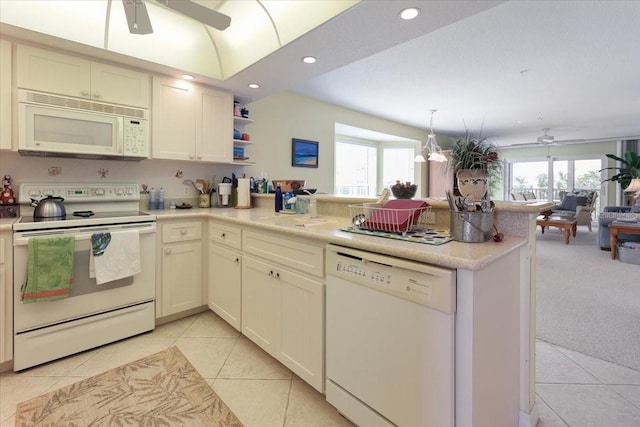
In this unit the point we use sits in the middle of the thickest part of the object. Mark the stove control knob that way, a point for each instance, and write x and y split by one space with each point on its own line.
48 192
119 191
99 191
129 191
34 192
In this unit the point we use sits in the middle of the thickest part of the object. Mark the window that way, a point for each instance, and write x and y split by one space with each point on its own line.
357 166
356 169
397 165
567 174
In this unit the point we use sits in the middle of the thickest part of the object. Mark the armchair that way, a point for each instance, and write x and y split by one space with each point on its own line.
610 214
579 204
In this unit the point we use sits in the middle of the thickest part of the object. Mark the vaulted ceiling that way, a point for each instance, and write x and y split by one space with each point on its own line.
508 69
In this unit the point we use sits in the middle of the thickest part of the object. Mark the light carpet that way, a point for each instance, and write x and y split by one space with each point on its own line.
163 389
586 301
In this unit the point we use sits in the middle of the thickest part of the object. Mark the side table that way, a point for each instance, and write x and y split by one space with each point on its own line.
621 227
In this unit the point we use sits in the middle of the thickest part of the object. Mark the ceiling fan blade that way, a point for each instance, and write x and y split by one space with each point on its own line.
200 13
137 17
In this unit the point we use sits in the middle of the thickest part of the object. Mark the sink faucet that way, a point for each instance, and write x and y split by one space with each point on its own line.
313 205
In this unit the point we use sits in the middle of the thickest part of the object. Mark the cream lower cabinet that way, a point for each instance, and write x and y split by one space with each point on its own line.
283 307
225 273
181 268
6 297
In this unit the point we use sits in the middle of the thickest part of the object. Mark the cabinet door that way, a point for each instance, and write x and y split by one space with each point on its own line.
302 327
5 95
214 139
260 304
53 72
225 275
173 123
119 85
6 298
181 277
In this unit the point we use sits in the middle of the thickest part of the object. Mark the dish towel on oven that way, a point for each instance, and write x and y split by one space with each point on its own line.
114 255
49 269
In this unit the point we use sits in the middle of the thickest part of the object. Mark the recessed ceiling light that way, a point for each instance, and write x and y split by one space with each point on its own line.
187 76
409 13
309 59
254 85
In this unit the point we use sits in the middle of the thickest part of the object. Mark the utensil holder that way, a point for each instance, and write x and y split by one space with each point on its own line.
471 227
204 200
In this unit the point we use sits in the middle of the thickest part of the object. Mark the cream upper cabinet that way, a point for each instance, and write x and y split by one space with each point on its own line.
53 72
173 128
214 126
5 95
191 122
6 297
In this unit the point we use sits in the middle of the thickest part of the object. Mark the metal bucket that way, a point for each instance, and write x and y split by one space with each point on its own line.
471 227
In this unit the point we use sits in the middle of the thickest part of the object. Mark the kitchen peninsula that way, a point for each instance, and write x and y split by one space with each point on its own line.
494 364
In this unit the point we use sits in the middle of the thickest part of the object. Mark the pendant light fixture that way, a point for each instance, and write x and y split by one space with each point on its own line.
431 147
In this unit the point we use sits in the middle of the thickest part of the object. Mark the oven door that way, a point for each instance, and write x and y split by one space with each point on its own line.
66 131
86 298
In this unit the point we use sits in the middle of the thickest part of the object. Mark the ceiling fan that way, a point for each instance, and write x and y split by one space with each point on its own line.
139 23
545 140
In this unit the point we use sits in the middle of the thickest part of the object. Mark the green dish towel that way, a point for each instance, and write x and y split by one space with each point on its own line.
49 269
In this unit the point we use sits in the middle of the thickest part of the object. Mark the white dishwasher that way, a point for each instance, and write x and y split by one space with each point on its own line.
390 340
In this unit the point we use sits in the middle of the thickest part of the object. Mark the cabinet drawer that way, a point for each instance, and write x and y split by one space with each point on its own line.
181 232
294 254
225 235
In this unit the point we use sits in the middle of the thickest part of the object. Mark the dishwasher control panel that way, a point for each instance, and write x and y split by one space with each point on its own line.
419 283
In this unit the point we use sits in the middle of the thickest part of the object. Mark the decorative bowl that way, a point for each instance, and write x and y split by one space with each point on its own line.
404 191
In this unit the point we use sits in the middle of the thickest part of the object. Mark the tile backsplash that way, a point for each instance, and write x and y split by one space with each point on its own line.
153 173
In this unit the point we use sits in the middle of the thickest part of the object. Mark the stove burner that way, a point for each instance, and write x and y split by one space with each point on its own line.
84 214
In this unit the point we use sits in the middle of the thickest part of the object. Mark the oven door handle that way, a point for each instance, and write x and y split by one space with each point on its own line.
23 239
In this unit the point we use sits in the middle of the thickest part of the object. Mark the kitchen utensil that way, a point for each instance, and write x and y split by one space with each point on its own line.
191 183
204 184
200 187
49 207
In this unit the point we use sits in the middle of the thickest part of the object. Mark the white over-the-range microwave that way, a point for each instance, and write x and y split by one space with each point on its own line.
52 125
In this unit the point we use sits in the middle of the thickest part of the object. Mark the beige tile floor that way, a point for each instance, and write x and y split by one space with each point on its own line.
573 389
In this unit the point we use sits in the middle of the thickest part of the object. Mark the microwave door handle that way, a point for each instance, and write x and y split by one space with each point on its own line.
120 135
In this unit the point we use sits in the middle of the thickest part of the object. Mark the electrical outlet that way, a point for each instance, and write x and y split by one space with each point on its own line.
429 217
186 191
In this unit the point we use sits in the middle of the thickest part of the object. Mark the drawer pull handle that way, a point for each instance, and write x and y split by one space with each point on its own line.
183 232
237 260
223 236
167 251
85 93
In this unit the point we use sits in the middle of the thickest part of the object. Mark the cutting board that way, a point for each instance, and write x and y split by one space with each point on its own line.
395 215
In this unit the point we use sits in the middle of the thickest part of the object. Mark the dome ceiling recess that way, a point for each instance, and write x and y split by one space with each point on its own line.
257 28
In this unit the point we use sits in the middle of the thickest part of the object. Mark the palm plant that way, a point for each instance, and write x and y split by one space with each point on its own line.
629 169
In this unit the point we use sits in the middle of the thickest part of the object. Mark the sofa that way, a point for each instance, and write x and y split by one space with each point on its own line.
579 204
613 213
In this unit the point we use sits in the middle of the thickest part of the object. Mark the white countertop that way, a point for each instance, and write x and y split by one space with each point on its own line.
470 256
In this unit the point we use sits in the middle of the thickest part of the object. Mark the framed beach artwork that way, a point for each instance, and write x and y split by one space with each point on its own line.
304 154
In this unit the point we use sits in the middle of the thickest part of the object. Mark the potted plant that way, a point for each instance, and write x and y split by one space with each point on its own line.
629 169
475 162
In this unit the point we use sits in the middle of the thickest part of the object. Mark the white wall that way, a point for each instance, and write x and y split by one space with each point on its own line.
285 115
